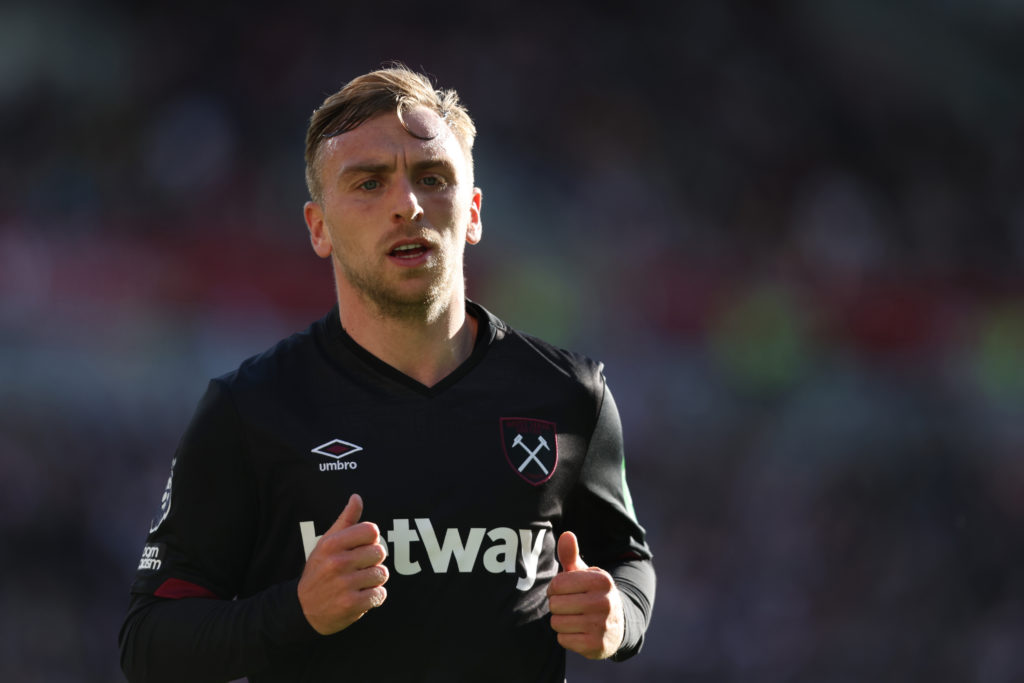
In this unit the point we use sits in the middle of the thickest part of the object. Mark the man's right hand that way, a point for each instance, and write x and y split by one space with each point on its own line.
344 577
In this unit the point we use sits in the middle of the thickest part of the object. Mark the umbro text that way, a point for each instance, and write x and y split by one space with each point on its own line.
338 465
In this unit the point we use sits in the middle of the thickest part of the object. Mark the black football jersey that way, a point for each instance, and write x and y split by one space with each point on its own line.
470 482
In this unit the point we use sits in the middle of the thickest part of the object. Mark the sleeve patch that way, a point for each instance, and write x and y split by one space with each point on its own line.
165 502
153 555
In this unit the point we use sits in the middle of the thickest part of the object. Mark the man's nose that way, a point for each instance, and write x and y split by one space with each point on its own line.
407 204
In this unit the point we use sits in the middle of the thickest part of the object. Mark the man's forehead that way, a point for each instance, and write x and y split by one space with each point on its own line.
419 127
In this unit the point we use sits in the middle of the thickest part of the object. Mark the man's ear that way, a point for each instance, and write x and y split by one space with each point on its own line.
319 237
473 232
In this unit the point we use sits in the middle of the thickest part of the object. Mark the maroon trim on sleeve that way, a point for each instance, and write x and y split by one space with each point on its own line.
177 588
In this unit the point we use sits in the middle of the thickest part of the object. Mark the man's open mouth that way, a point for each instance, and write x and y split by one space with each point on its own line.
409 251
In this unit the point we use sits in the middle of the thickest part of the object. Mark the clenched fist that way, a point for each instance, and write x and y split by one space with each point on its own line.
344 578
585 604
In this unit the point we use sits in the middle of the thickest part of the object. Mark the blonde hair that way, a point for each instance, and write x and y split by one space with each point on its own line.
394 89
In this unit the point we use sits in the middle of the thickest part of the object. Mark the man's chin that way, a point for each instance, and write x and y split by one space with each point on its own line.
415 297
419 306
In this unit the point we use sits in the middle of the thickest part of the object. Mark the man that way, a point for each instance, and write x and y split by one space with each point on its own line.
466 446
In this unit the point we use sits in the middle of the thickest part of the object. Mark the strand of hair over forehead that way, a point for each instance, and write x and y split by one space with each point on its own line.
356 118
403 102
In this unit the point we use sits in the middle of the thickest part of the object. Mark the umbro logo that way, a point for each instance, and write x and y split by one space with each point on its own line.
337 449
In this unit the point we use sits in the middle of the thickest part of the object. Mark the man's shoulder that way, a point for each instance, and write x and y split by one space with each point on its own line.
572 365
292 357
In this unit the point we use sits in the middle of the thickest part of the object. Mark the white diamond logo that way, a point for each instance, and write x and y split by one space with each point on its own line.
337 449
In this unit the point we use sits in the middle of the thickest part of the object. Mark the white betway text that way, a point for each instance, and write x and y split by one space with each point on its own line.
504 547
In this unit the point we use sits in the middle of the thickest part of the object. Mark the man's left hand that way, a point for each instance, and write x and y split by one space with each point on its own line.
585 604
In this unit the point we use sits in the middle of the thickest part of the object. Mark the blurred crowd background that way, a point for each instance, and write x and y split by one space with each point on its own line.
793 231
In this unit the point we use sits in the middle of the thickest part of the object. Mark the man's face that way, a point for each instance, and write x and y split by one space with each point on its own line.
396 213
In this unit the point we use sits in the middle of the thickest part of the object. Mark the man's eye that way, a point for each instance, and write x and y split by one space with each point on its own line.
433 181
370 184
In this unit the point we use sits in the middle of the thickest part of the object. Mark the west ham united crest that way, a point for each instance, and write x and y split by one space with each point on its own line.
530 447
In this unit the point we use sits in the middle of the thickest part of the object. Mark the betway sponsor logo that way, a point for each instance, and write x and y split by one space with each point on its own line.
504 547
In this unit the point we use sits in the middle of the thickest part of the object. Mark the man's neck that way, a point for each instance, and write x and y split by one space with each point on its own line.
425 350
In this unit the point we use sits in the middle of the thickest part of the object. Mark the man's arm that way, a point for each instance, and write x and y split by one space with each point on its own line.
207 639
597 613
635 580
592 605
182 623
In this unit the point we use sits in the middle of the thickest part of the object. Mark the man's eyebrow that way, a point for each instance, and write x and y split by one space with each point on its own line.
379 168
365 168
440 164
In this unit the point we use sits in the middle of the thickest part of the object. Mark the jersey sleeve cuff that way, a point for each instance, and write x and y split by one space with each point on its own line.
632 636
636 607
288 625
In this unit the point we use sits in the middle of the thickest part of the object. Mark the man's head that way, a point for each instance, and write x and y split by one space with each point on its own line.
393 202
396 89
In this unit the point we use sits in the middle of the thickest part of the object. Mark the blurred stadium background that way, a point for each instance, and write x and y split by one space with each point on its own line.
794 231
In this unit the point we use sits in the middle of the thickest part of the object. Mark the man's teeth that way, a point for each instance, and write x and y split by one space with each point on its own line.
408 250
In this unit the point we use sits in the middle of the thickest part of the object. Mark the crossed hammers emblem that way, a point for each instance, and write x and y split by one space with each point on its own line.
542 443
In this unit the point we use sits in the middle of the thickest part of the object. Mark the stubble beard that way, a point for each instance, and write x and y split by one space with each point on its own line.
388 303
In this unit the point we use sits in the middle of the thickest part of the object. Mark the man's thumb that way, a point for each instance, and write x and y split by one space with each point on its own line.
351 514
569 552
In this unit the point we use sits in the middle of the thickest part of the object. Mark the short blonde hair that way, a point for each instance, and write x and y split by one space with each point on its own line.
394 89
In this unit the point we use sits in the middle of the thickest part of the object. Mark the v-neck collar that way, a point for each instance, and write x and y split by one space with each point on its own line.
487 327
